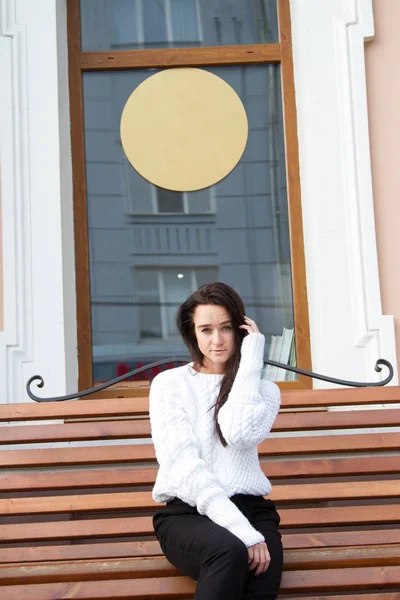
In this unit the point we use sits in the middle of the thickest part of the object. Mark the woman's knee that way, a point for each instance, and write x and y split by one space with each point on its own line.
233 554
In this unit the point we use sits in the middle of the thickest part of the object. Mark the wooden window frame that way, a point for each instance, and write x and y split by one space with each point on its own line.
81 62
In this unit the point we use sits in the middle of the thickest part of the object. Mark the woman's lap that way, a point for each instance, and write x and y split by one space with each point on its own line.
189 539
191 542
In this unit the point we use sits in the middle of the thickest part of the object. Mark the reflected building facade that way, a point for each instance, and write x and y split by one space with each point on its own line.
150 247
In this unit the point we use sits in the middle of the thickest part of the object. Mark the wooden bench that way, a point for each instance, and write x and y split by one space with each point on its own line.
75 521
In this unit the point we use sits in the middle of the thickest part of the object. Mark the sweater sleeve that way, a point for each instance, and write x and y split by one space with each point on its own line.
247 416
188 475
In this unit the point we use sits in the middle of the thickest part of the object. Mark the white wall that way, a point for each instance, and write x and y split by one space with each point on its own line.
39 298
348 330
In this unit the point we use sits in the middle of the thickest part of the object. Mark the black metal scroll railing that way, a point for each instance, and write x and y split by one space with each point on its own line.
381 362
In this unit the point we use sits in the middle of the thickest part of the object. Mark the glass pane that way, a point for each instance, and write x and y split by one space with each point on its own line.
204 276
141 24
147 286
138 192
185 23
150 322
137 254
177 286
169 201
154 23
199 202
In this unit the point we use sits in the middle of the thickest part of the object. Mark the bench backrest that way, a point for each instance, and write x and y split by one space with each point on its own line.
76 477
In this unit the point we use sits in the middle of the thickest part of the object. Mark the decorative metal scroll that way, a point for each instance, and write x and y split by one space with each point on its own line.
381 362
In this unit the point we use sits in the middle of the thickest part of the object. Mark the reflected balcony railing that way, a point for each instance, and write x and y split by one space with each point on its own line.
174 239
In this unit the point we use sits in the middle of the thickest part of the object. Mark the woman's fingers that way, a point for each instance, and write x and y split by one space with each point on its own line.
254 557
265 559
259 558
249 325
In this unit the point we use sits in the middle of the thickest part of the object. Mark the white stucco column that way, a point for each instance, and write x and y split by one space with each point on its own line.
39 290
348 330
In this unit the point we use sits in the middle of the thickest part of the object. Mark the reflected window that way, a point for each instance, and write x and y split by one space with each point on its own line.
169 201
144 198
160 292
152 24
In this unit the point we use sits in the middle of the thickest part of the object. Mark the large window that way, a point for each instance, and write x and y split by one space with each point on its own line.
141 249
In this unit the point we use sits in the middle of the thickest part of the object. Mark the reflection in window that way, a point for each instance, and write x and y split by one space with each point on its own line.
148 24
144 198
160 292
142 237
169 201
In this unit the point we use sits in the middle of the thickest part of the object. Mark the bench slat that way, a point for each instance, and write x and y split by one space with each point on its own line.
273 446
128 549
312 398
321 580
69 480
74 409
140 428
121 568
336 516
347 490
341 579
353 538
53 457
88 570
341 557
137 526
63 530
91 551
68 432
143 500
275 470
378 596
290 517
164 588
323 444
110 407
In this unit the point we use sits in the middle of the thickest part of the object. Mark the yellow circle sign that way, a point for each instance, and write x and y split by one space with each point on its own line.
184 129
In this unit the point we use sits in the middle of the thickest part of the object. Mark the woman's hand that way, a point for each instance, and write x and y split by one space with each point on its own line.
250 326
259 557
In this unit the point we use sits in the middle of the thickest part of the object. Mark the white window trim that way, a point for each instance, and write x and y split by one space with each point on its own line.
164 315
168 21
139 22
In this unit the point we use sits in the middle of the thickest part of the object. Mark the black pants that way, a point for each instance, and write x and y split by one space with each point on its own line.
214 557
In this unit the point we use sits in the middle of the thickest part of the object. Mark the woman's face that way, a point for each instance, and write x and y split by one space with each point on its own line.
215 337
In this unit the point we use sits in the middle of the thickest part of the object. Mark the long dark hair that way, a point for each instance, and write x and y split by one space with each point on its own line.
219 294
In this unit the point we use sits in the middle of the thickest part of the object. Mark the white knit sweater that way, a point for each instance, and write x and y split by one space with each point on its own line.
194 465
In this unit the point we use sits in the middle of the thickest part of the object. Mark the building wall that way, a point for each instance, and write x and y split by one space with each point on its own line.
1 266
349 329
383 88
38 248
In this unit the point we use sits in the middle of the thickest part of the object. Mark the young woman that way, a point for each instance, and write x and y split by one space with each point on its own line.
207 419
